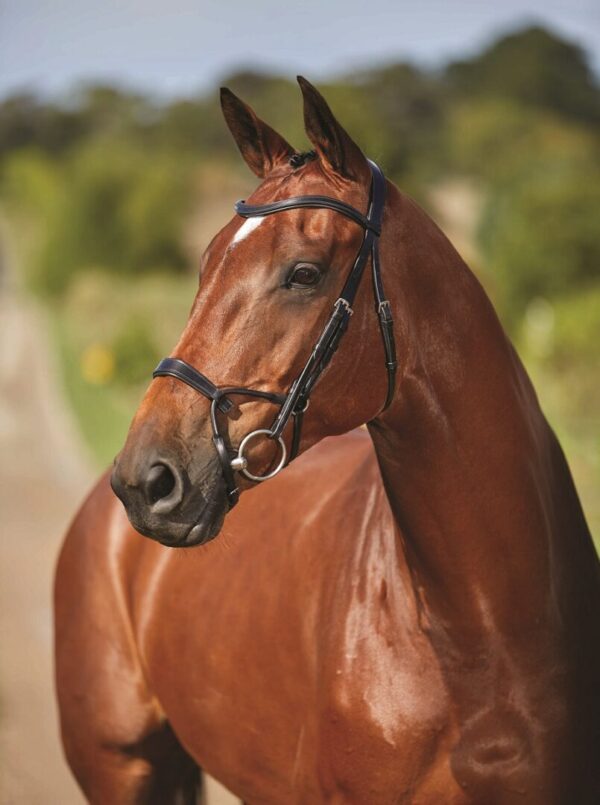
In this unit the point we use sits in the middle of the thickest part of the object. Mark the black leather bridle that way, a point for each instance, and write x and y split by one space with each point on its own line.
295 402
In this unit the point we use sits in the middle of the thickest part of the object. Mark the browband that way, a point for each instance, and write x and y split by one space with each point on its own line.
307 202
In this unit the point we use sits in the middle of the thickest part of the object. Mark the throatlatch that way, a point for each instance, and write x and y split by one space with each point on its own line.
293 405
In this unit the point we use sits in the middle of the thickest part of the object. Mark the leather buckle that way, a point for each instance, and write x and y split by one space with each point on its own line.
341 302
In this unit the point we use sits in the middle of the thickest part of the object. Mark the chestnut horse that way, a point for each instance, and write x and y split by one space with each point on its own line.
420 627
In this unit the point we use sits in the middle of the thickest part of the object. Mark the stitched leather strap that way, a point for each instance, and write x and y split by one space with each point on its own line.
174 367
307 202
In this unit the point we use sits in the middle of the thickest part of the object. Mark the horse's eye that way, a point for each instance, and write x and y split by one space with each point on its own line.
304 275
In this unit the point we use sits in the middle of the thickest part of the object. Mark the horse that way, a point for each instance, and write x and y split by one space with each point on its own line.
404 616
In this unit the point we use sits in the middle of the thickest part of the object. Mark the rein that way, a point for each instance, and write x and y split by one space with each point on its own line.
293 405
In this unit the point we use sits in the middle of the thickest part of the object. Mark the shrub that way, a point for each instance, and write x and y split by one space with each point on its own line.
135 351
540 236
110 206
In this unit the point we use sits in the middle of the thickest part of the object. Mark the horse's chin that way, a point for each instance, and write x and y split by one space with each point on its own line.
207 527
201 523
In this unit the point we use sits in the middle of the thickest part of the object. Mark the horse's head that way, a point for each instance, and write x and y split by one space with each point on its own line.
270 288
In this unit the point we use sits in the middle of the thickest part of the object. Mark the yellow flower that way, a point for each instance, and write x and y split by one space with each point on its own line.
97 364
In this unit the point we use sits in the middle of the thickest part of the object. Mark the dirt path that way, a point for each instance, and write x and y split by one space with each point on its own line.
44 473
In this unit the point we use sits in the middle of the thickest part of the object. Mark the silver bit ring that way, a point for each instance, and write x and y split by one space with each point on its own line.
240 462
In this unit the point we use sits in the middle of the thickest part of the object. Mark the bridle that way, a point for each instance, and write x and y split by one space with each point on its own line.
296 401
294 404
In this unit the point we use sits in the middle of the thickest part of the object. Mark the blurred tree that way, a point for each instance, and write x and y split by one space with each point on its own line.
30 183
135 349
540 236
577 332
192 126
112 111
114 213
86 230
534 67
153 214
399 112
26 122
499 141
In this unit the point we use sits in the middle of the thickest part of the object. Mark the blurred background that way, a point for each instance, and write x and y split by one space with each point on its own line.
116 169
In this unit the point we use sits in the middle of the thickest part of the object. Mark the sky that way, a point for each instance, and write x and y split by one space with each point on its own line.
179 47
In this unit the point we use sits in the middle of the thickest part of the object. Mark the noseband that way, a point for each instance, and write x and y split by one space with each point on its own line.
294 404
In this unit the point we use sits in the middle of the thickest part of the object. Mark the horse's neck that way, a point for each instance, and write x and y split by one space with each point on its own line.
474 475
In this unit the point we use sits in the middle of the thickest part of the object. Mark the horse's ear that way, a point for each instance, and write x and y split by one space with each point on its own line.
261 146
331 141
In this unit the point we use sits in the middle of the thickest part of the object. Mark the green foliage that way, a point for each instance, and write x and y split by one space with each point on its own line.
153 211
30 184
564 364
540 236
25 121
105 208
88 229
535 68
191 127
108 111
402 113
32 193
135 350
577 330
502 143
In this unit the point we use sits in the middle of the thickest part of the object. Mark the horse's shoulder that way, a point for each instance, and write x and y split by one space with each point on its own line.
99 540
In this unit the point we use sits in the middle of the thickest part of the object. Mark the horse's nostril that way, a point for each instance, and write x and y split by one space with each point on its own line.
160 483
